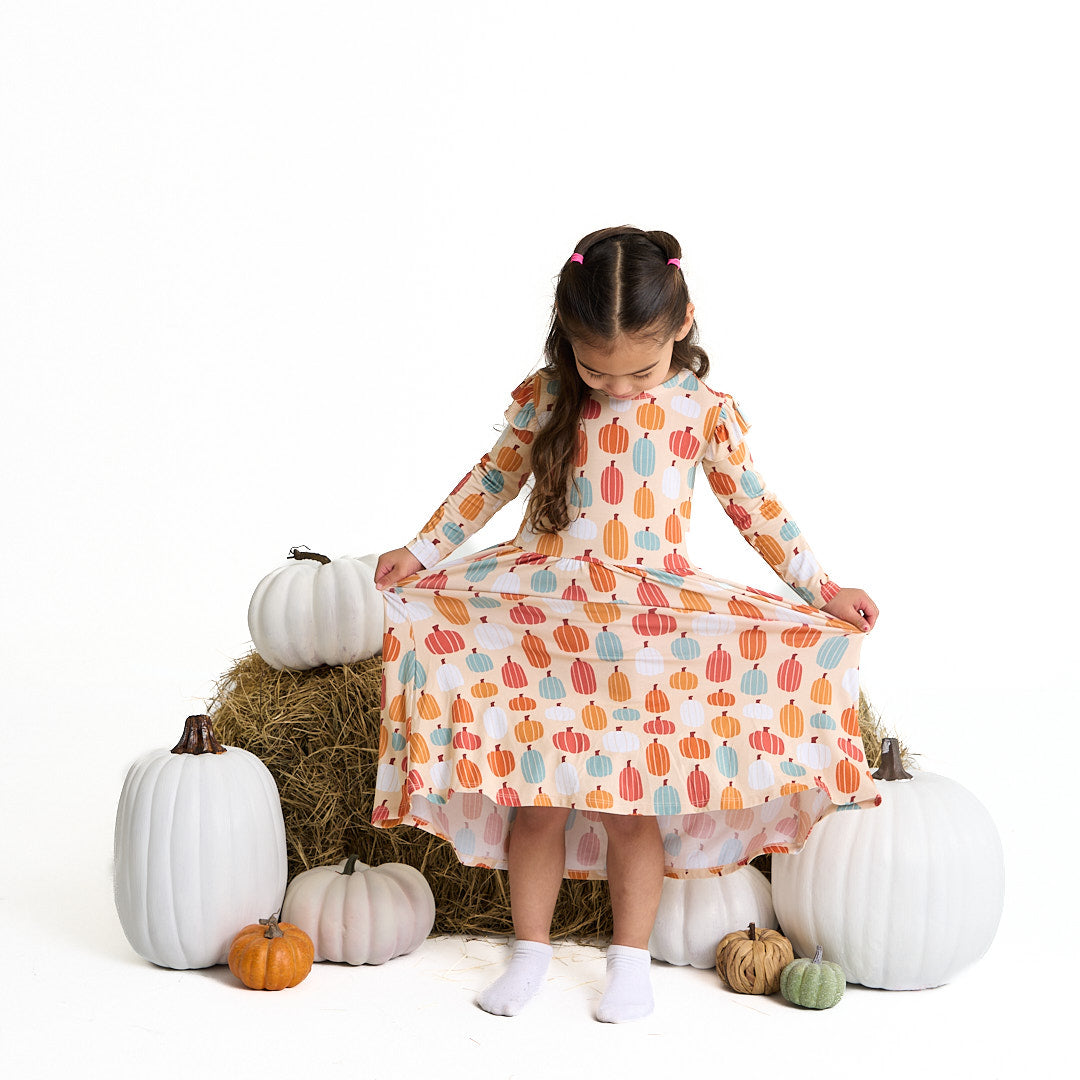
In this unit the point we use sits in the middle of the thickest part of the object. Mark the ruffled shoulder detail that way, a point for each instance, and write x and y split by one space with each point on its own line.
729 422
532 399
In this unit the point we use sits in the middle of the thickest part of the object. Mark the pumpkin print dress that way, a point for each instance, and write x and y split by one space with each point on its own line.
598 669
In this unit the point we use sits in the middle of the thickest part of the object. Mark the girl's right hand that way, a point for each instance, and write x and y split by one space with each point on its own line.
395 565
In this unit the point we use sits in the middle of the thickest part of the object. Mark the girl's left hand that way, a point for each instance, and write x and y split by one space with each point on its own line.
853 606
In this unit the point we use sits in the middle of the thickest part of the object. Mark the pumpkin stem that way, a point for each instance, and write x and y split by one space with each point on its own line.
818 954
752 932
272 928
296 553
891 767
198 737
350 866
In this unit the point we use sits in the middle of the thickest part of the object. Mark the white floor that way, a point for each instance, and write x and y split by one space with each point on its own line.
76 996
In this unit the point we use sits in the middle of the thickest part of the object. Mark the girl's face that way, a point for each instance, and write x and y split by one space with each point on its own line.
629 366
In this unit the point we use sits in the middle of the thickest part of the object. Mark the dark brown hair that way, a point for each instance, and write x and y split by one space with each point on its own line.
623 286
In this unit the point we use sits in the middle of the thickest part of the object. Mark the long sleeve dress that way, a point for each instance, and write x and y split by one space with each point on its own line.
600 670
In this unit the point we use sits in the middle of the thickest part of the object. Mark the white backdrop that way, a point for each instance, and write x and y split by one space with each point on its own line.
269 271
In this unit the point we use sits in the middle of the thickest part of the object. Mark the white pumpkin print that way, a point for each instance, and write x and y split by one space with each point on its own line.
440 774
567 781
692 714
496 721
760 775
850 682
671 483
558 606
803 566
571 566
757 710
686 406
388 777
649 661
814 755
508 582
448 677
712 624
621 742
583 528
492 635
560 714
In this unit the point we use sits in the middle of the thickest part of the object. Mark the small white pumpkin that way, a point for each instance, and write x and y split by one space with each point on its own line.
198 848
315 611
361 914
902 895
695 913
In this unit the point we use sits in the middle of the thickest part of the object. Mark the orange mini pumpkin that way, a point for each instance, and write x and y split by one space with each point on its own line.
269 955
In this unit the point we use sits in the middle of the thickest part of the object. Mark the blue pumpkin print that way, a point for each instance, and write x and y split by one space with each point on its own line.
608 645
484 602
581 493
626 715
644 457
493 481
478 570
685 648
599 765
551 687
532 766
750 482
453 532
543 581
672 844
754 682
727 761
822 721
647 540
832 651
479 662
789 530
666 801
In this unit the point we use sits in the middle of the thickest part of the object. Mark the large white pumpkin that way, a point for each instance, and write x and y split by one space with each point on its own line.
695 913
198 847
361 914
315 610
903 895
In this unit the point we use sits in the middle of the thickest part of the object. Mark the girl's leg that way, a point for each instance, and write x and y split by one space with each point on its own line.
537 858
635 868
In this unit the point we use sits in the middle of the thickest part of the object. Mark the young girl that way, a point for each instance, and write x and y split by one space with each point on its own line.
584 701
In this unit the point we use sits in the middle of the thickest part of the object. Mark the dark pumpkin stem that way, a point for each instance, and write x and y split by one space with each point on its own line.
752 932
350 866
296 553
272 928
891 767
198 737
818 952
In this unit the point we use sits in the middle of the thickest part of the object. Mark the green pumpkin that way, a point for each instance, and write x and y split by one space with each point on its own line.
811 983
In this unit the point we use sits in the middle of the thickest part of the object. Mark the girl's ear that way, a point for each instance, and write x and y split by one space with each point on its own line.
685 328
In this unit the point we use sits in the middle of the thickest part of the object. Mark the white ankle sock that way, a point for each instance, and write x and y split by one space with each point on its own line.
628 995
510 993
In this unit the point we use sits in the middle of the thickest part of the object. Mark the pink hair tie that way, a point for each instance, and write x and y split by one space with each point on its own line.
676 262
577 257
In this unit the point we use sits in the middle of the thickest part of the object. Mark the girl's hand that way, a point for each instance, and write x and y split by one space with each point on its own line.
853 606
395 565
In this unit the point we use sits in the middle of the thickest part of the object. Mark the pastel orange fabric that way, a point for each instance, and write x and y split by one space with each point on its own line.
599 669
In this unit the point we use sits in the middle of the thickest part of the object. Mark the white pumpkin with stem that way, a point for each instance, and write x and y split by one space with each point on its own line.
903 895
361 914
695 913
315 610
199 849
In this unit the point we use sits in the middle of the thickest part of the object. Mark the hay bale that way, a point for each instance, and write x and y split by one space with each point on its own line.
318 733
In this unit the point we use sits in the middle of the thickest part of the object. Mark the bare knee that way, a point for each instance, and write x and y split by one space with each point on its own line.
541 819
629 826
